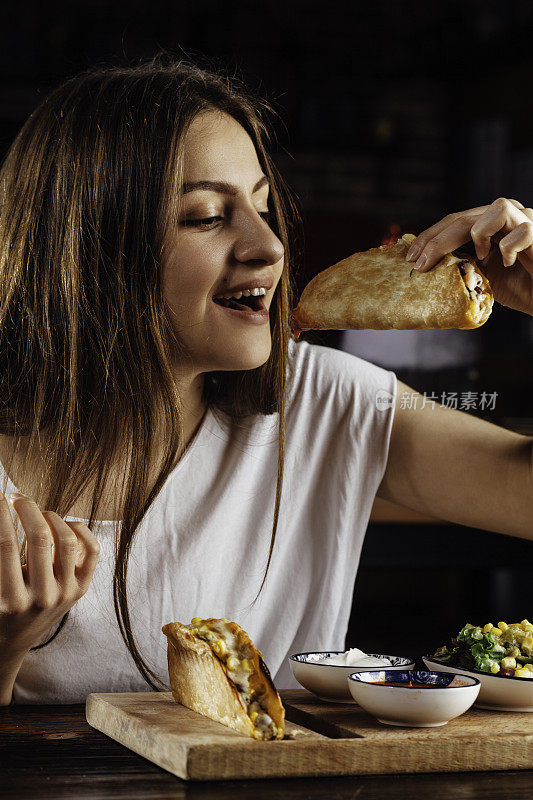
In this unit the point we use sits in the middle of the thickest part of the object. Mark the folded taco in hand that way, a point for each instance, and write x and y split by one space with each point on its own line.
215 669
379 289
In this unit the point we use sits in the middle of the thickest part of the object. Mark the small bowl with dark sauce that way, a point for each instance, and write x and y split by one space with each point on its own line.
414 698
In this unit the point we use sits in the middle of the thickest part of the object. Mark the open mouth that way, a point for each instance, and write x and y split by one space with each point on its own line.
252 303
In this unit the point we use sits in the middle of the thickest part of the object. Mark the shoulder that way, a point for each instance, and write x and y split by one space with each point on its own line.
319 369
339 411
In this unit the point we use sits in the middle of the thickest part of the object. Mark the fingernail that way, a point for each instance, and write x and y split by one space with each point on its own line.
413 252
421 262
16 496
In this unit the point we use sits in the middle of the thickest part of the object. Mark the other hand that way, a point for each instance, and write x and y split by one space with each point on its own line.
36 595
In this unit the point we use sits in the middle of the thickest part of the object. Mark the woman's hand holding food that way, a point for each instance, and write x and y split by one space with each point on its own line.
503 237
36 595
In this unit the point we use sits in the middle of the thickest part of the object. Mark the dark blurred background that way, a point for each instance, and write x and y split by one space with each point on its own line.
392 114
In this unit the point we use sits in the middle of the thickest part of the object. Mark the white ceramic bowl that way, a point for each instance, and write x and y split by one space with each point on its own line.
328 681
497 693
448 697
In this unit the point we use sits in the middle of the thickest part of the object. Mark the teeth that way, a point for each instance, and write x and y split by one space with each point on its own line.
245 293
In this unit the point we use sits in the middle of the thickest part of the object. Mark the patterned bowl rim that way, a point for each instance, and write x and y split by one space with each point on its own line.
478 671
326 653
433 673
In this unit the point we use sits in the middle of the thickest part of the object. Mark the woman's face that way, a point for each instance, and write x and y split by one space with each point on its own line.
223 240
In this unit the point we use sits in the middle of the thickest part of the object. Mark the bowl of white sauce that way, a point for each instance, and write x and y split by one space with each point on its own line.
325 674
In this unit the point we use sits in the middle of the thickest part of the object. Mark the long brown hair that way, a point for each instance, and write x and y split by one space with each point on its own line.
88 195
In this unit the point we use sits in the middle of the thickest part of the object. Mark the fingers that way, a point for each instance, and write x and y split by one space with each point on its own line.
455 230
510 200
65 550
520 240
85 570
12 583
67 574
35 596
423 238
454 235
39 549
501 215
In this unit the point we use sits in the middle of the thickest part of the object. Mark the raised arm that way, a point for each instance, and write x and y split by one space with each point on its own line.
457 467
444 462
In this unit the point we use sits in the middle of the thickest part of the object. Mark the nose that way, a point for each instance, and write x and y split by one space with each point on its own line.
258 242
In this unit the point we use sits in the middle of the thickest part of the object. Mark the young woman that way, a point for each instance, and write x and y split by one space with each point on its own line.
195 460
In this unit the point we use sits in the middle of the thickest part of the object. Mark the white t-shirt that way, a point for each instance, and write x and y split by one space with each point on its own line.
202 548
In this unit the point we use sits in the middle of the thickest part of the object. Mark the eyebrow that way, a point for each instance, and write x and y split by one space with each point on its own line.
221 186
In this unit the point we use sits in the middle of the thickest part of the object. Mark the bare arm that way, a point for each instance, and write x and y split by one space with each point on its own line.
457 467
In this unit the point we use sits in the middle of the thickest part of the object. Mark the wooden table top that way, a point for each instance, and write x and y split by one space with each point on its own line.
51 752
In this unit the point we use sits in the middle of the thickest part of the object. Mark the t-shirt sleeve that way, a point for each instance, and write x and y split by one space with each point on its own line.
342 409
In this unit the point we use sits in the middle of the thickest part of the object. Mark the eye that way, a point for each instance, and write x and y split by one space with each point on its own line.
208 223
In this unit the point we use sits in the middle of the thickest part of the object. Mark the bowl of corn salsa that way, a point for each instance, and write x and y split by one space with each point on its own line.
500 655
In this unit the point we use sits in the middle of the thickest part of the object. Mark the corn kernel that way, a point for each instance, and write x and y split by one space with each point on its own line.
254 715
525 623
495 668
247 667
509 662
220 647
196 620
232 663
408 238
522 672
488 627
503 626
528 642
496 631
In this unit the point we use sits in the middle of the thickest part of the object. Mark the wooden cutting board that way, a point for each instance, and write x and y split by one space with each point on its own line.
320 739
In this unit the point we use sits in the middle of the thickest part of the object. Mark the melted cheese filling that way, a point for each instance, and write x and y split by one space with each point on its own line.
473 281
238 660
